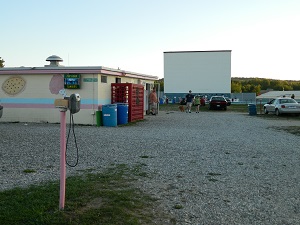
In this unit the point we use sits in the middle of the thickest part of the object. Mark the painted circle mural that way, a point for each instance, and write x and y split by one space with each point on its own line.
56 84
14 85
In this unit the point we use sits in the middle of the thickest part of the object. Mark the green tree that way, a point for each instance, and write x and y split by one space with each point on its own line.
276 85
1 62
265 84
236 87
247 85
295 85
256 89
161 83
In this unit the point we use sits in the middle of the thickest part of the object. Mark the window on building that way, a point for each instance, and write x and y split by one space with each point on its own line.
103 79
118 80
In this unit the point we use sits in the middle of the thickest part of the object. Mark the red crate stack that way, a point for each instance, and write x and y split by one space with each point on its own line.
133 94
119 93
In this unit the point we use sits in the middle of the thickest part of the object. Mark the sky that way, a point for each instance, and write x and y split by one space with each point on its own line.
132 35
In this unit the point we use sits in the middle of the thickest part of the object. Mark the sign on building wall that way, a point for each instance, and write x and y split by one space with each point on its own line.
72 81
90 79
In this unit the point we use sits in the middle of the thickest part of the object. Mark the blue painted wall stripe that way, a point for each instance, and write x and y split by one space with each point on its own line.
49 101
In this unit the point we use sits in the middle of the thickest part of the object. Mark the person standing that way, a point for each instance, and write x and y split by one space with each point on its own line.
189 101
153 102
202 101
197 103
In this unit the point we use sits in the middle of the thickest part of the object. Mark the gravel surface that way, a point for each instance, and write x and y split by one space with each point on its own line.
208 168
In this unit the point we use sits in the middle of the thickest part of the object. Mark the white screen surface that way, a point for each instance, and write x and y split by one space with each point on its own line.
199 71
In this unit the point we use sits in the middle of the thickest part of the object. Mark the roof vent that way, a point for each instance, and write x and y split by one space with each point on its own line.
54 60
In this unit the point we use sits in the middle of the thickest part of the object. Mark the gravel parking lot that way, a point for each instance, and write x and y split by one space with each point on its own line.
213 167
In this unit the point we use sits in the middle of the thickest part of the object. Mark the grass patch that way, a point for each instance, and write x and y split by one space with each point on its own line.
29 171
146 157
87 170
214 174
291 129
231 108
93 198
239 108
133 123
138 171
271 116
211 175
178 206
212 179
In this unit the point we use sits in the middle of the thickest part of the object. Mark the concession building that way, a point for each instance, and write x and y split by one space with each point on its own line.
27 94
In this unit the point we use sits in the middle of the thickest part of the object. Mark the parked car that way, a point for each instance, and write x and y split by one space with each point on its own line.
228 101
281 106
217 102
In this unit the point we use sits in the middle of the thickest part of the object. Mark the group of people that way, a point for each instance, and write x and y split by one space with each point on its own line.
192 99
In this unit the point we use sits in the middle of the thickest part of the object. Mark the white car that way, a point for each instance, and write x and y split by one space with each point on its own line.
281 106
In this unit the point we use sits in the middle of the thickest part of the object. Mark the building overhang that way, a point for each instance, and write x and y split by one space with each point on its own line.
81 70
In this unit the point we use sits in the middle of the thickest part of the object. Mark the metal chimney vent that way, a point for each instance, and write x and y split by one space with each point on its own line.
54 60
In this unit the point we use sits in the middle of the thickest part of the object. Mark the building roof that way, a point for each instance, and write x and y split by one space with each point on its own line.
198 51
277 94
77 69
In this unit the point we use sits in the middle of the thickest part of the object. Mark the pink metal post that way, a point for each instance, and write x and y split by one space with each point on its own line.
62 158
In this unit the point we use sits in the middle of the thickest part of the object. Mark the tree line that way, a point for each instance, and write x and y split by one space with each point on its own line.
255 85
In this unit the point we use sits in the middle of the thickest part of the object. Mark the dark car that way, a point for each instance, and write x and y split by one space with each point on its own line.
228 101
217 102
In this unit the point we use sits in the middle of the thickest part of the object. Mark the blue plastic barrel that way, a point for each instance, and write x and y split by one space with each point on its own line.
252 109
109 115
122 113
